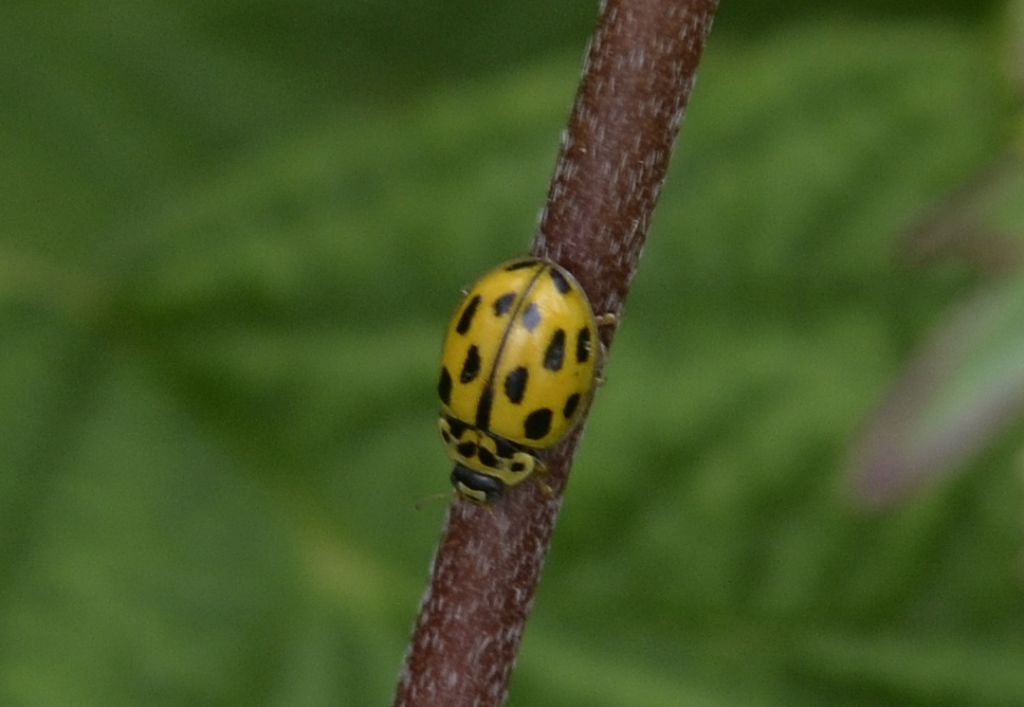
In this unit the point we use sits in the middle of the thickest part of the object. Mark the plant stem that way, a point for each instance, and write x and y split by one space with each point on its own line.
636 81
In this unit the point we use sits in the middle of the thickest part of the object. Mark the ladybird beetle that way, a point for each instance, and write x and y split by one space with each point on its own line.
518 368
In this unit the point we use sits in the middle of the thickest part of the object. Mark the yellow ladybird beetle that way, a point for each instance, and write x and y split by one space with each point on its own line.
517 369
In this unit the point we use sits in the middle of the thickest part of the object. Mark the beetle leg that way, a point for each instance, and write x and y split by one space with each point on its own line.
603 320
540 470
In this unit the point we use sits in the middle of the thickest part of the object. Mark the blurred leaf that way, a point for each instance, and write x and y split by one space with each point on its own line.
925 669
982 223
221 285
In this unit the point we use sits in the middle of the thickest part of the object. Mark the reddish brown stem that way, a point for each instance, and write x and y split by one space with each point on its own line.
636 82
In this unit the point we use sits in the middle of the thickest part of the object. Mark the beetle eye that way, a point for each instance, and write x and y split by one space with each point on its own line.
484 488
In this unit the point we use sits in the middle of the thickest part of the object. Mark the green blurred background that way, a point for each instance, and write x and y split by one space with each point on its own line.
231 234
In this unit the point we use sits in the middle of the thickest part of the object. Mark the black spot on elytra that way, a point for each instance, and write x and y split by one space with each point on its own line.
583 345
555 353
466 449
571 403
471 366
504 303
446 437
520 264
517 466
538 423
466 320
561 284
444 386
531 316
483 409
515 385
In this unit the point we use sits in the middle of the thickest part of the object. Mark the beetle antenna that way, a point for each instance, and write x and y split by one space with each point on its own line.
420 504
